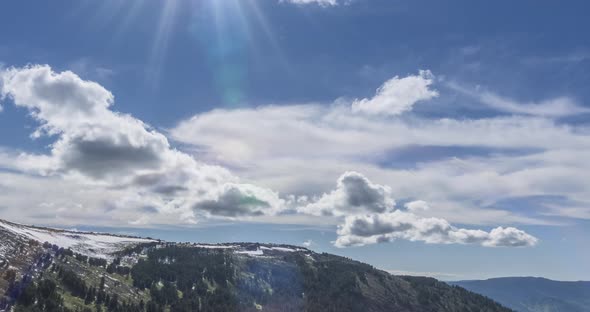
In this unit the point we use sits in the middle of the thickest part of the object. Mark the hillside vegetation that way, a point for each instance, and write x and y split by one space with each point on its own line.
159 276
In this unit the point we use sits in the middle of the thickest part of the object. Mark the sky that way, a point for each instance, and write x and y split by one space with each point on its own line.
425 138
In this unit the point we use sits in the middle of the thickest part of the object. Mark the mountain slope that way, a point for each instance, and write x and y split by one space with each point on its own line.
530 294
90 244
117 273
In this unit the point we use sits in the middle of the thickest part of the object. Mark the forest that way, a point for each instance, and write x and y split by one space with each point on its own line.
179 278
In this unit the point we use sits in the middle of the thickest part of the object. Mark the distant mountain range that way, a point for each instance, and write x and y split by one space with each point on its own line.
43 269
533 294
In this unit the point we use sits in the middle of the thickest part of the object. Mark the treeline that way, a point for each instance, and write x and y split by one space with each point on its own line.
59 251
136 249
41 297
204 277
184 266
187 278
77 287
435 294
115 267
44 296
62 252
332 283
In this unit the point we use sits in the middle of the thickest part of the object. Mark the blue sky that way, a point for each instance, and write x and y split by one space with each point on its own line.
393 132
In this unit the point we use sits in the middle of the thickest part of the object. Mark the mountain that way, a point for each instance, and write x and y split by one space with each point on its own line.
46 269
533 294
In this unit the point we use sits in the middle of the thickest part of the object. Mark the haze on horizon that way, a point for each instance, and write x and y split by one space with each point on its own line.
448 140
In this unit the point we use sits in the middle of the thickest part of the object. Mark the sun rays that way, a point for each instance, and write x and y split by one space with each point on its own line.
230 34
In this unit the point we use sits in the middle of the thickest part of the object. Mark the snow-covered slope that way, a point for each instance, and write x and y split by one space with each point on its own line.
250 249
90 244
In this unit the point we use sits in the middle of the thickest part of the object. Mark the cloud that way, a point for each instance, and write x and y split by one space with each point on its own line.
92 139
238 200
323 3
370 217
569 211
555 107
334 132
572 57
298 149
360 230
97 146
87 67
398 95
110 166
509 237
308 243
416 206
354 193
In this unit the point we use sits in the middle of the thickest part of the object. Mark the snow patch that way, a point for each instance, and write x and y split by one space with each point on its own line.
90 244
257 252
213 246
280 249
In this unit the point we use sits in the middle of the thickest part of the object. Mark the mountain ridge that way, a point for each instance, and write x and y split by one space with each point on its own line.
533 294
138 274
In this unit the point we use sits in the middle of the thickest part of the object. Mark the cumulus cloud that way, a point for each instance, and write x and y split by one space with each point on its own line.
371 217
354 193
359 230
92 139
97 146
237 200
398 95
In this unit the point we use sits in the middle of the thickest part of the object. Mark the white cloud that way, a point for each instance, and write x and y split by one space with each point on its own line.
417 206
354 193
577 210
334 132
318 2
370 217
116 166
555 107
360 230
398 95
87 67
98 146
300 148
572 57
308 243
236 200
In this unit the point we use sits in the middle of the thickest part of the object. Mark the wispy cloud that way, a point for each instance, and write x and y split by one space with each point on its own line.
555 107
318 2
573 57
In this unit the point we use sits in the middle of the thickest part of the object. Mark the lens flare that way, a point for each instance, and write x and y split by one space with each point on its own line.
231 35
